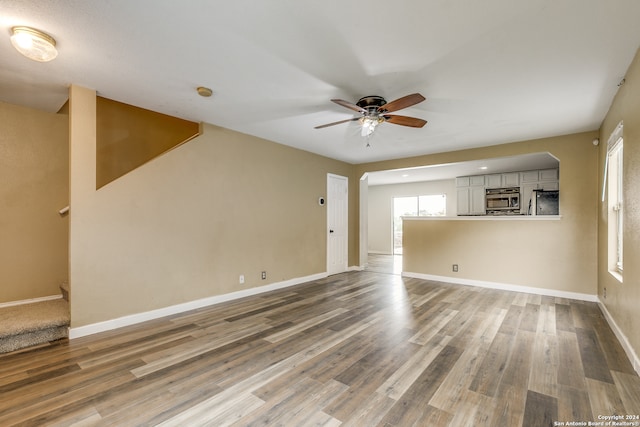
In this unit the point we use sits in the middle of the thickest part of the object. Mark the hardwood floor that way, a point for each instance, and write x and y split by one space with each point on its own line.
391 264
355 349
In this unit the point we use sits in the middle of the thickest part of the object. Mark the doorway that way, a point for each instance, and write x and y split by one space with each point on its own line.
426 205
402 206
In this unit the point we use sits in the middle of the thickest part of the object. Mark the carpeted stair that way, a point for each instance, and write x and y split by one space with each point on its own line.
66 291
32 324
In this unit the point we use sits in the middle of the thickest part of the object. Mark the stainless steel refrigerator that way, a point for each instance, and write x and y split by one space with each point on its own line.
545 202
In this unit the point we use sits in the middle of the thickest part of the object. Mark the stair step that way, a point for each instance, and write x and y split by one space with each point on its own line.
64 288
27 325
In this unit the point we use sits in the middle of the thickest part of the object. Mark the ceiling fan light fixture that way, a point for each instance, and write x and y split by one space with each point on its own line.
373 110
34 44
369 124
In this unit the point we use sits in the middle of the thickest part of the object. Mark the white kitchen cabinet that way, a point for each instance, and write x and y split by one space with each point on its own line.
502 180
493 181
477 200
528 177
470 199
476 180
462 181
511 179
462 201
548 175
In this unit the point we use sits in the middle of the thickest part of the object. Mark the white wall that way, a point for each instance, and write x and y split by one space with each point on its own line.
381 208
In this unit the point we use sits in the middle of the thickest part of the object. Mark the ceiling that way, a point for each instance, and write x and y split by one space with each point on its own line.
523 162
493 71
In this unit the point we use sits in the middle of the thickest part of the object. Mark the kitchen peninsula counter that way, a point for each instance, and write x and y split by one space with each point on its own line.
485 218
517 252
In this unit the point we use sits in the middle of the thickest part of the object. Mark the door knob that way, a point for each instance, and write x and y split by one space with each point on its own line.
330 231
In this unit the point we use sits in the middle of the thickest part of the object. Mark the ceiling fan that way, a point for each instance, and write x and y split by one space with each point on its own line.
374 109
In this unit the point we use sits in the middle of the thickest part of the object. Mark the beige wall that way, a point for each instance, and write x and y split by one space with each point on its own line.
34 183
128 137
623 299
380 208
557 255
530 253
188 223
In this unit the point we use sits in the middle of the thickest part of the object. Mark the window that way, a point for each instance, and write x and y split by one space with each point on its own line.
435 205
431 205
615 202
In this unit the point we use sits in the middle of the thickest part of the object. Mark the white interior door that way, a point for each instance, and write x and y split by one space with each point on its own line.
337 223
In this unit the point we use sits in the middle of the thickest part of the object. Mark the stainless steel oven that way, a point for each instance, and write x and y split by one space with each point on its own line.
503 201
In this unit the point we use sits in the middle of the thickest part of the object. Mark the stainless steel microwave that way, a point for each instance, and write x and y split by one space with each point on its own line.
503 201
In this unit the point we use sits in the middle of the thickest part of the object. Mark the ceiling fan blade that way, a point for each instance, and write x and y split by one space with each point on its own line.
349 105
337 123
413 122
400 103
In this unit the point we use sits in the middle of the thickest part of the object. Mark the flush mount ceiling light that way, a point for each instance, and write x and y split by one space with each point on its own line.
204 91
34 44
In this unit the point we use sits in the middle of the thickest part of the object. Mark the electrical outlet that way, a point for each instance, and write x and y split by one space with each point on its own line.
264 275
455 268
604 294
242 279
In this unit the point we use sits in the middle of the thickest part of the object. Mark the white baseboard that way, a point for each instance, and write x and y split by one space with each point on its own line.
624 341
29 301
356 268
380 252
504 286
133 319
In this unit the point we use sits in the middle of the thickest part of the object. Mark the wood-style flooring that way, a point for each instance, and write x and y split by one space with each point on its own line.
391 264
355 349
